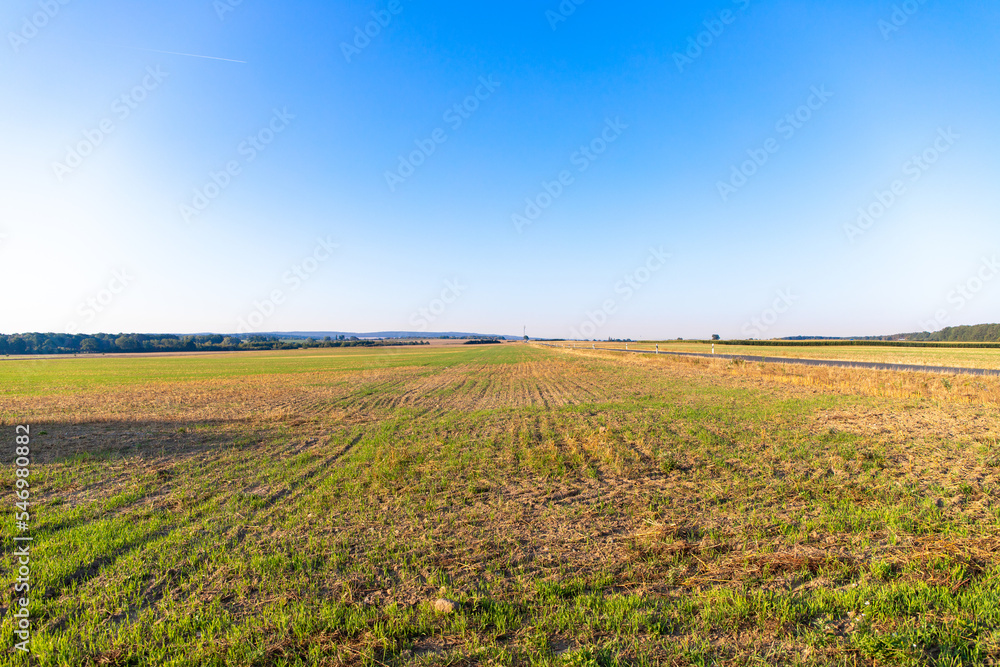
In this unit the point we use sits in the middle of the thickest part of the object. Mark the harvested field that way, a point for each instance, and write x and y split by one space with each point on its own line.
954 355
582 507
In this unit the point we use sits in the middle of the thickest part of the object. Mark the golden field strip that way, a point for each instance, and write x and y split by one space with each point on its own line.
922 356
582 507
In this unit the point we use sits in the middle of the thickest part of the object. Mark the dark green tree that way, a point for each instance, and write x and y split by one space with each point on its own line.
127 343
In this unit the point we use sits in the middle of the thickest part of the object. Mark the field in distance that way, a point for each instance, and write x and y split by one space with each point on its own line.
960 357
582 507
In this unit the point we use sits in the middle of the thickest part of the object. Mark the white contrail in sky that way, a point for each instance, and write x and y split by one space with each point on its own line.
190 55
172 53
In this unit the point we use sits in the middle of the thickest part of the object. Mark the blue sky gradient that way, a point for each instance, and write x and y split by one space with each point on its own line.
120 241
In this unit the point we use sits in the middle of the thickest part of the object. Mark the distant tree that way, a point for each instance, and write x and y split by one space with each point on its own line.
716 337
127 343
34 341
90 345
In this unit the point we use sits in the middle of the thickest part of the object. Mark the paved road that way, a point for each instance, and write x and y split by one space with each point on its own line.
818 362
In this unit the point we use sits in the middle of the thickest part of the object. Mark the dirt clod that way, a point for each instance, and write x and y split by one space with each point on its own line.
445 606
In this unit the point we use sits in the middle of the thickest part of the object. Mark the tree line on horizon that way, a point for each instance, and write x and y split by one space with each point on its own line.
54 343
973 333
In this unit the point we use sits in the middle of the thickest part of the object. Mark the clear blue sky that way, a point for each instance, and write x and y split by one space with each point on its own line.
119 240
